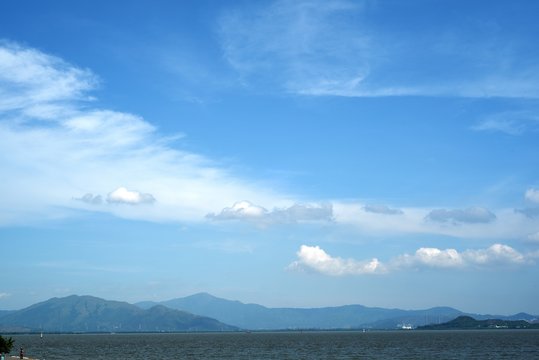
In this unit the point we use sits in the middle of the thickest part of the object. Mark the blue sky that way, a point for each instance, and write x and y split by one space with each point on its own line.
288 153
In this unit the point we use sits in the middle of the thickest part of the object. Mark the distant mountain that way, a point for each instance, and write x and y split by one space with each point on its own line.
469 323
519 316
91 314
257 317
5 312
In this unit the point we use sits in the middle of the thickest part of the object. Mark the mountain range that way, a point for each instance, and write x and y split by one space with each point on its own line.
258 317
91 314
205 312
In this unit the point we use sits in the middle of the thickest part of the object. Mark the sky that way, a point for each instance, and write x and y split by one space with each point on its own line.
287 153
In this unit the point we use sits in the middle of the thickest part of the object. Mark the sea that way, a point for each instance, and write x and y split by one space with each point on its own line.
311 345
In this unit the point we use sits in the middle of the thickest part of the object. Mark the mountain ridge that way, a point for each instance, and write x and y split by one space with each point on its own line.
91 314
258 317
205 312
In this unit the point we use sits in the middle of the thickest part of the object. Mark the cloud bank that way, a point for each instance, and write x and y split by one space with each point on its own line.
313 258
245 210
382 209
472 215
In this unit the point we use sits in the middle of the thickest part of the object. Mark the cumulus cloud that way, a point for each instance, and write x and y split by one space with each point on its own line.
245 210
451 258
532 195
313 258
382 209
495 254
471 215
240 211
123 196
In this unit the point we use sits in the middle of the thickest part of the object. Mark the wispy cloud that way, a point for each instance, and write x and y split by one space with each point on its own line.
469 215
512 123
331 48
300 44
30 79
56 145
313 258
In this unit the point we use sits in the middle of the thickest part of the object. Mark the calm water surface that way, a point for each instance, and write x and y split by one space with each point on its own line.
498 344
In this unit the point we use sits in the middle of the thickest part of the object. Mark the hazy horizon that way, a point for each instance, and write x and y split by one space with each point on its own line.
285 153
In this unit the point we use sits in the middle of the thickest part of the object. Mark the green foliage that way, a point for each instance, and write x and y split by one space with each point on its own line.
5 345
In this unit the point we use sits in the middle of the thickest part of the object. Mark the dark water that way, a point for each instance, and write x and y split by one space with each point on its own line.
498 344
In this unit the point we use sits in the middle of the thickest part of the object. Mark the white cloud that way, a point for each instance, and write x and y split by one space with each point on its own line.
55 146
432 257
313 258
495 254
382 209
469 215
124 196
532 195
240 210
29 78
245 210
4 295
